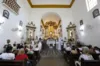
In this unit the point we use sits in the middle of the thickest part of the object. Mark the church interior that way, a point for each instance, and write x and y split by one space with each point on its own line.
49 32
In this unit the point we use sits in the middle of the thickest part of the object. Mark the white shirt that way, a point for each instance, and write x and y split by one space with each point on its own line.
7 56
97 51
32 43
68 48
86 57
38 48
65 45
40 45
80 48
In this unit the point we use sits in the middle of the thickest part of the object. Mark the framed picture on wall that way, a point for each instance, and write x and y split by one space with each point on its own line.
96 13
21 23
81 22
6 14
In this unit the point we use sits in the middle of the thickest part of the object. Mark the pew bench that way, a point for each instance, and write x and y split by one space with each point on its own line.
12 63
96 56
90 63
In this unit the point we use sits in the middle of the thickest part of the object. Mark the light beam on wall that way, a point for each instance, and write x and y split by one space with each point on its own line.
82 27
91 4
2 19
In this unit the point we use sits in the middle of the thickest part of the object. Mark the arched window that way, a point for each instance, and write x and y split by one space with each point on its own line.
91 4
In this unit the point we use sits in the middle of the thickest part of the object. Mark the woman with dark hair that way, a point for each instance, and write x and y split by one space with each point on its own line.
91 49
74 50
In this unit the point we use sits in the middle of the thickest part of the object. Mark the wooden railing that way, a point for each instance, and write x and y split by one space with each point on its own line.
12 4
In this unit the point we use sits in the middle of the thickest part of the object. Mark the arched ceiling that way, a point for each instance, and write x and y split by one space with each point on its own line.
50 16
51 3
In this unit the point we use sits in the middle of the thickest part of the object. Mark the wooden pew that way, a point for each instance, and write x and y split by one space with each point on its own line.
72 58
90 63
32 58
11 63
96 56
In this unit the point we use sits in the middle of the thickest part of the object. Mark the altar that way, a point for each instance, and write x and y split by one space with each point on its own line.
51 43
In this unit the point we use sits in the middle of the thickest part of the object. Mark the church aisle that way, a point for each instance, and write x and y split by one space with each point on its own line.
52 62
52 58
51 53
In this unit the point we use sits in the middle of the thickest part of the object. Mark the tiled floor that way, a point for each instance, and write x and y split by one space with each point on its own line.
52 58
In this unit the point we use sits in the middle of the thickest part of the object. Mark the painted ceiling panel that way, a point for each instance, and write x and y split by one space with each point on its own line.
35 2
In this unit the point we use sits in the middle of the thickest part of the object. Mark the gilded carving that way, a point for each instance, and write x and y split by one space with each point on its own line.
30 27
71 32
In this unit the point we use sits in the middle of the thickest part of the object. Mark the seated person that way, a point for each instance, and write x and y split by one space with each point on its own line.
29 50
8 55
14 46
84 56
79 45
91 49
68 49
96 49
21 55
74 50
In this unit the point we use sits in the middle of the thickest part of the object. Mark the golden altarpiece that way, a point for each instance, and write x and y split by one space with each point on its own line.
51 29
30 34
71 32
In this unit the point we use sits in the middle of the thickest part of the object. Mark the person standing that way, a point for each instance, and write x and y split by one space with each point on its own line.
7 45
65 43
59 44
32 43
37 48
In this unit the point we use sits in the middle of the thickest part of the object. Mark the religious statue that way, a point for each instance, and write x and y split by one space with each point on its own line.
71 31
30 32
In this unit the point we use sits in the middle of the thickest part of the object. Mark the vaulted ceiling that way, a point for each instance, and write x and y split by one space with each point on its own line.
51 3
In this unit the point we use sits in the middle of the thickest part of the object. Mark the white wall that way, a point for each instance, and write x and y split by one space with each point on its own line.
65 14
13 22
92 25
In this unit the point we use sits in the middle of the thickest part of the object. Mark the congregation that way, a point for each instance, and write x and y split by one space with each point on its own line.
73 53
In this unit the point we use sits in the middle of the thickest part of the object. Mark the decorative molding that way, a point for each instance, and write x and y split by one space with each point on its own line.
51 5
12 5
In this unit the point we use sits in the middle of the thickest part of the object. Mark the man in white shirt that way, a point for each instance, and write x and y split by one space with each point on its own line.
32 43
68 48
37 48
8 55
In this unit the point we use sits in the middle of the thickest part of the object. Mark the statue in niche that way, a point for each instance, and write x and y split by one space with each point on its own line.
30 32
71 31
71 34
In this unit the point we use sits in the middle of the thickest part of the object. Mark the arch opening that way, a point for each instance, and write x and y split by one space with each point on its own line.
51 26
